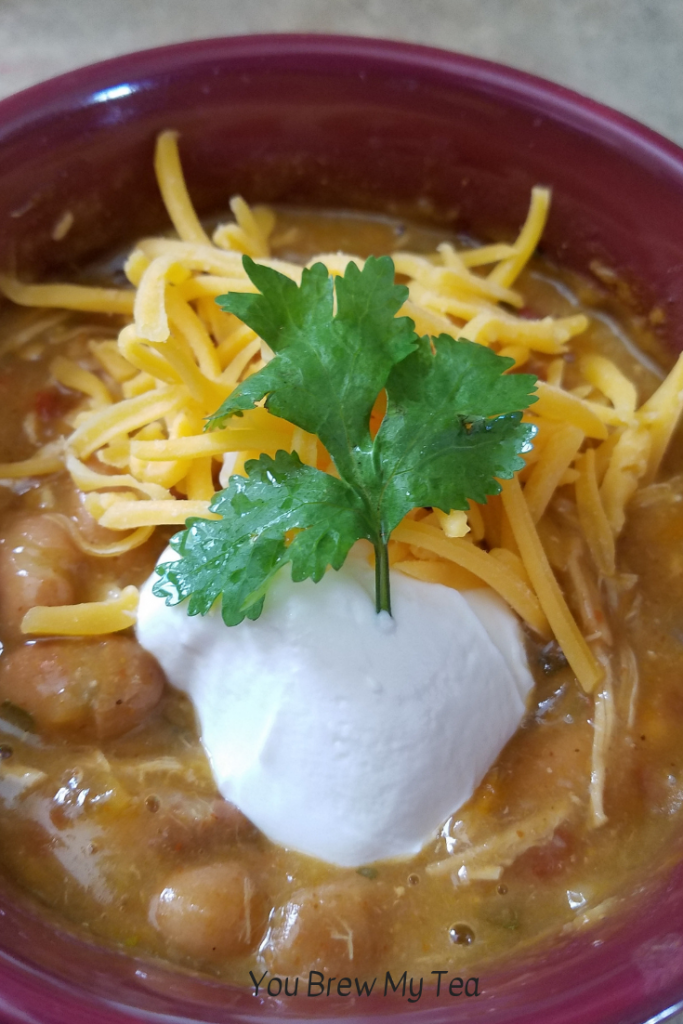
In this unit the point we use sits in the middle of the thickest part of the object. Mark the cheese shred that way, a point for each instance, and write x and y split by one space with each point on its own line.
89 619
577 652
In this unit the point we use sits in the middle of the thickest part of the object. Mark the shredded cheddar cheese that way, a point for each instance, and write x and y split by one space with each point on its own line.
563 625
68 296
138 453
549 470
511 586
123 515
49 459
174 191
90 619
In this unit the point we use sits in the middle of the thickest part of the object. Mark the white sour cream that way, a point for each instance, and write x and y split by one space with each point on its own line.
342 734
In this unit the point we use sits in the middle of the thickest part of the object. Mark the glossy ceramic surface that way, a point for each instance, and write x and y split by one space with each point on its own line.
370 125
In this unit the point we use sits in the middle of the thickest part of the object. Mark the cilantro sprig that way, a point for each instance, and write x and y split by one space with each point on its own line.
452 428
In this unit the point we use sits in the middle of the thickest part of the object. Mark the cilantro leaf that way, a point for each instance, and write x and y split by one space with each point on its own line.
452 429
329 369
238 555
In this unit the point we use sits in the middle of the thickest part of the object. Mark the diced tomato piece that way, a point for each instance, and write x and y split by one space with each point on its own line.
552 858
52 403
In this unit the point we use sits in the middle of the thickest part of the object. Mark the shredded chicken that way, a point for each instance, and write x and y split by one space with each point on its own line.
629 681
603 728
17 780
487 860
346 937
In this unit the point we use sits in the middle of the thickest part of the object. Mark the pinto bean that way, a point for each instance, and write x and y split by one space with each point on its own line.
187 823
211 912
331 928
39 565
94 689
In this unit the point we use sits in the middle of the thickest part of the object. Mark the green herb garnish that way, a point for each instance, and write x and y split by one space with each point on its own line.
452 427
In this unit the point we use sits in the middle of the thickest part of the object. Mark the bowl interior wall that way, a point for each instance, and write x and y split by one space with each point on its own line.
322 129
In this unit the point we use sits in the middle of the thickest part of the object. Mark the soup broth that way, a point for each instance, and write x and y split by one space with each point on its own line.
109 811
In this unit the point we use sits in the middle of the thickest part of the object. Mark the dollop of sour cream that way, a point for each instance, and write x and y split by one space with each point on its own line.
340 733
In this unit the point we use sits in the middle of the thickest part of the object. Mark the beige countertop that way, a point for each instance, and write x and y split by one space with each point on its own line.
626 53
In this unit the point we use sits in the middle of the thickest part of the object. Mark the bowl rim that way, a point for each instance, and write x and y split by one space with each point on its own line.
94 83
103 81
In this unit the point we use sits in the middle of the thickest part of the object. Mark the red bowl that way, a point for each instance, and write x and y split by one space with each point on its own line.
370 125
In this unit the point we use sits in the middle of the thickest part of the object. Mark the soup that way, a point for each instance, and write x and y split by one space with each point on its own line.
110 812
